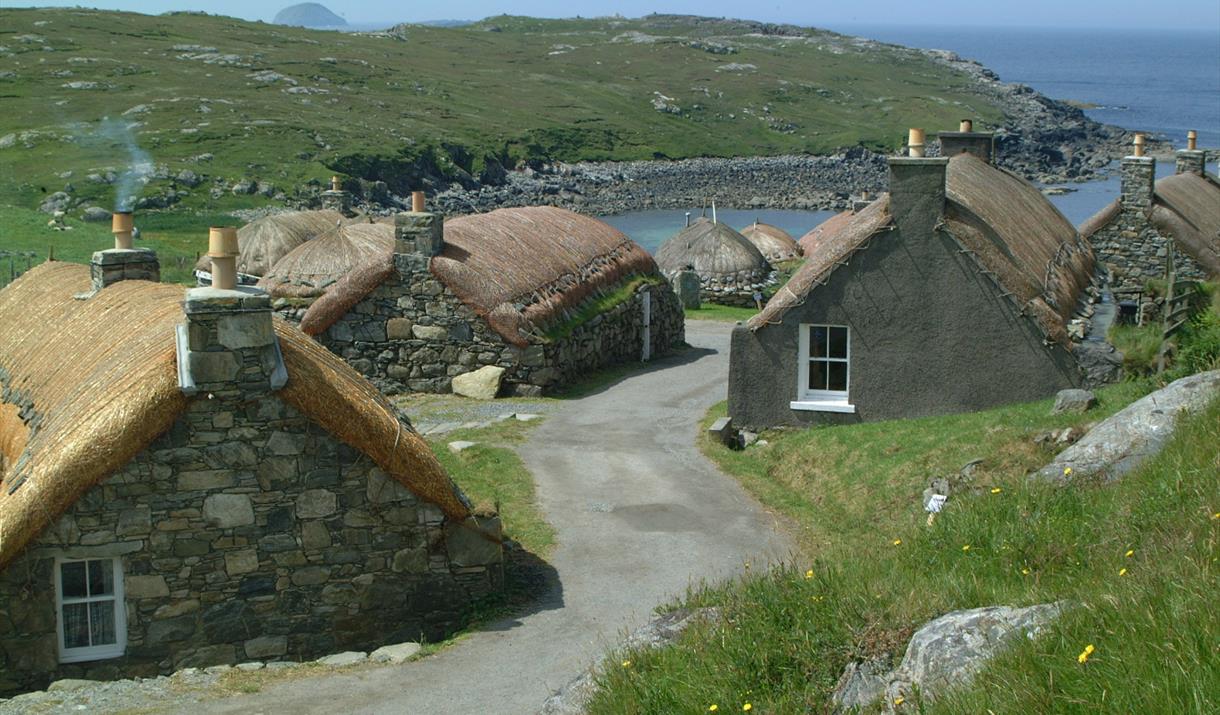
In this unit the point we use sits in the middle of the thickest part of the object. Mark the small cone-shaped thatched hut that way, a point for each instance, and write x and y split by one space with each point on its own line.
264 241
773 242
311 268
730 268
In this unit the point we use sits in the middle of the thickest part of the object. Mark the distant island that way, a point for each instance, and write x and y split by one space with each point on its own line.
308 14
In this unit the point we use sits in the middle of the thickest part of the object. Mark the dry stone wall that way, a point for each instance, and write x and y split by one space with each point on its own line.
1129 244
248 533
413 334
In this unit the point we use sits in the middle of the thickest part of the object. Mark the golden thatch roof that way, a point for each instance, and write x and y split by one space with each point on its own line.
713 250
1016 235
773 242
521 269
77 426
1188 208
310 269
811 242
266 240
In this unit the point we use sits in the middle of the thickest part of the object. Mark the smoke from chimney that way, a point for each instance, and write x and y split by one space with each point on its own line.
139 167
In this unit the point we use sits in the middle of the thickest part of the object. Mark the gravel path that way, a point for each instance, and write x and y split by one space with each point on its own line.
640 514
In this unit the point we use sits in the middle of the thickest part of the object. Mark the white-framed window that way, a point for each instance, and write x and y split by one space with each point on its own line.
90 611
824 367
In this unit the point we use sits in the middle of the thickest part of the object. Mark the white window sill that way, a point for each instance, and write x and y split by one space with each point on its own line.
823 406
82 655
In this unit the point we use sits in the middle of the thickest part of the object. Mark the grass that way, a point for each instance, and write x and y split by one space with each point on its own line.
430 102
491 474
599 305
873 571
1195 348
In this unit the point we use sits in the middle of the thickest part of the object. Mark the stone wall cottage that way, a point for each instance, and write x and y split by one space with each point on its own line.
190 482
543 294
773 242
951 293
1132 234
730 268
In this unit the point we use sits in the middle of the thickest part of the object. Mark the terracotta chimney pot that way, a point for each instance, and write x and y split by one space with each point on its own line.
121 227
915 142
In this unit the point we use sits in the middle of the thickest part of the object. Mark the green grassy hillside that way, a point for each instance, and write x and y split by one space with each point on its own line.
227 98
1137 559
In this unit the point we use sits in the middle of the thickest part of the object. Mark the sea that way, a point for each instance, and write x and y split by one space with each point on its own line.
1159 81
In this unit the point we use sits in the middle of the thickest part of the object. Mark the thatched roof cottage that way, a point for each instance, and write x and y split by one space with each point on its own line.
729 266
776 244
951 293
190 483
1132 235
540 296
266 240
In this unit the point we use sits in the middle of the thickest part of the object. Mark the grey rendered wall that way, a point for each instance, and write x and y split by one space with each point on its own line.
929 335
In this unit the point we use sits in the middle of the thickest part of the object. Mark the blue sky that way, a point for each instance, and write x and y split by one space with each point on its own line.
1196 14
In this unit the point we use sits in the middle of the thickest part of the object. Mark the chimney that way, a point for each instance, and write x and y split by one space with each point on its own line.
418 236
917 188
966 140
1138 178
227 348
336 199
1191 160
123 262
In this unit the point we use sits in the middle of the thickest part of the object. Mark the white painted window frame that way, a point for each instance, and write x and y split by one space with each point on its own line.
820 400
99 652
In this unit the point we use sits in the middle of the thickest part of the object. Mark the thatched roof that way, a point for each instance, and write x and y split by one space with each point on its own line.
713 249
266 240
524 269
311 268
773 242
811 242
1015 234
521 269
1188 208
77 427
1018 236
833 248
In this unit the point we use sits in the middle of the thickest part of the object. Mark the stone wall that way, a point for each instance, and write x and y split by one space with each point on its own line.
1133 249
248 533
737 289
412 334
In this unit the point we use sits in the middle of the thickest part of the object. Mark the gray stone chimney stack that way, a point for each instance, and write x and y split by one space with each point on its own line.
966 140
124 262
917 189
227 348
1138 178
337 199
1191 160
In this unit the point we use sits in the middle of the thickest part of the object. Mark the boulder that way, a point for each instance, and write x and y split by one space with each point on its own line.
481 384
350 657
1125 440
949 651
394 654
1073 401
95 214
859 686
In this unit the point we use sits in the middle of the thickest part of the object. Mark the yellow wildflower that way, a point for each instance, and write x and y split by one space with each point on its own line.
966 547
1067 470
1216 515
809 574
899 700
713 708
1084 654
1122 572
626 664
1130 553
996 490
897 542
1025 572
747 707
